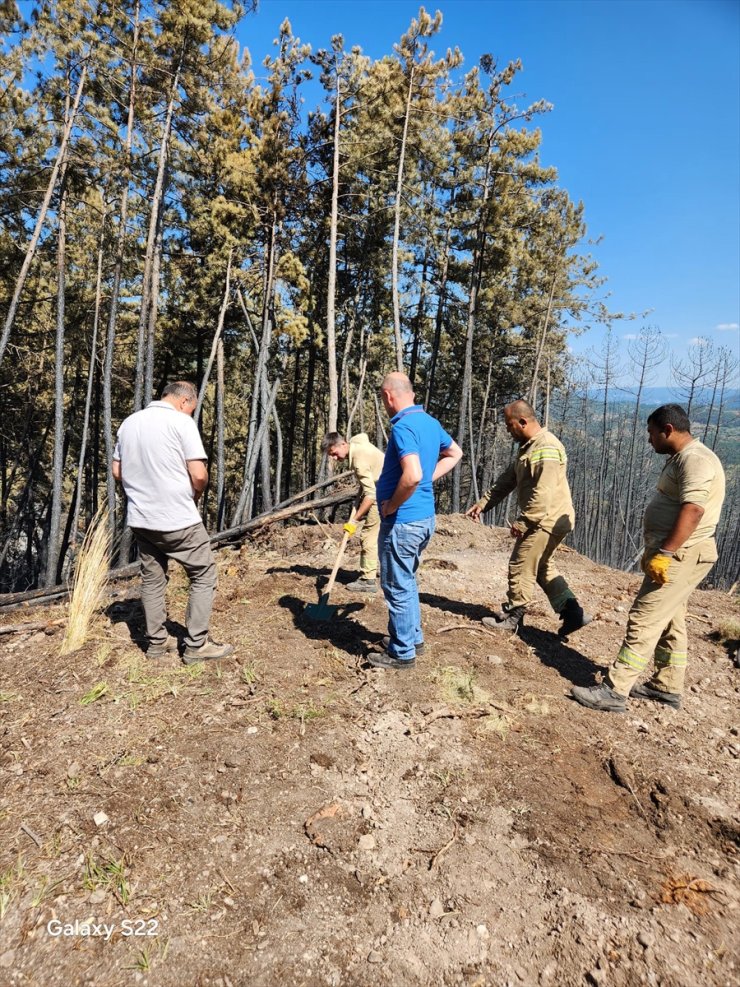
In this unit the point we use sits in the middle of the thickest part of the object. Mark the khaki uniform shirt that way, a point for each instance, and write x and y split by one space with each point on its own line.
367 462
692 476
538 476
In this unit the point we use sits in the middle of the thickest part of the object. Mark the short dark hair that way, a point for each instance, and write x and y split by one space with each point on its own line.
330 440
180 389
670 414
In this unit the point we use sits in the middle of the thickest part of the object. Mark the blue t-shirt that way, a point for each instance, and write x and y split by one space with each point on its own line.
412 431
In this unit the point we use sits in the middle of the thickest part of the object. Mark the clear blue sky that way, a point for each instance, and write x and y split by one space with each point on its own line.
645 129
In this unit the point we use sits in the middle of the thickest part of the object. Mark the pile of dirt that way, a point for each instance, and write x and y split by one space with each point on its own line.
292 817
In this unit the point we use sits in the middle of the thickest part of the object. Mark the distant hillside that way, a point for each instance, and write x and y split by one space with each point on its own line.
667 395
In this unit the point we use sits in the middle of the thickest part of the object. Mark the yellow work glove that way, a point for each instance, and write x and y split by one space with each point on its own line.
657 568
350 527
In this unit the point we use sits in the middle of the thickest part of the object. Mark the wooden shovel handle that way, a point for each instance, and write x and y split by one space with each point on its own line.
340 556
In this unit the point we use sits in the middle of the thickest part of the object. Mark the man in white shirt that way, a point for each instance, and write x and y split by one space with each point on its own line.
160 461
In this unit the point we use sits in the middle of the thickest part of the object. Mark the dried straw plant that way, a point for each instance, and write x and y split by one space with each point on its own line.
88 585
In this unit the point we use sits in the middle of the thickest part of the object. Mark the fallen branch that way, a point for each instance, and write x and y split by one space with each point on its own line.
446 847
30 625
34 836
695 616
39 597
458 627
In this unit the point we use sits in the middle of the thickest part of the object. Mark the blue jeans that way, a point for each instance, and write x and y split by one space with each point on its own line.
399 553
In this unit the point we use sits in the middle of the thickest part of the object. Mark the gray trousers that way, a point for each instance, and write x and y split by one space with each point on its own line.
192 549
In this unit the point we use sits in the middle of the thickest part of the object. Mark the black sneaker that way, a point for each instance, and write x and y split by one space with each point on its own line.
512 620
645 691
601 697
573 618
381 659
385 644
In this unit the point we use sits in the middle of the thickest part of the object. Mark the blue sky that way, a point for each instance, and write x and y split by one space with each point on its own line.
645 130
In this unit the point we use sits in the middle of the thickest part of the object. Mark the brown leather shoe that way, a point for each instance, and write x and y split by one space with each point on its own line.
210 651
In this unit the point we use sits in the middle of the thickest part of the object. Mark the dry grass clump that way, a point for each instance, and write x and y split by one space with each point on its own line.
88 585
729 629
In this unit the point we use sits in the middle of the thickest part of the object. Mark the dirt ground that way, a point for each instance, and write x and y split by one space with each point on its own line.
289 817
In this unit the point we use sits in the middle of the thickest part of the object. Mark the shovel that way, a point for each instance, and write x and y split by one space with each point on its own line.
323 610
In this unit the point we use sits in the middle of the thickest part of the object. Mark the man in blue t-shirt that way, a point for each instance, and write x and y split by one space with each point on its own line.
419 452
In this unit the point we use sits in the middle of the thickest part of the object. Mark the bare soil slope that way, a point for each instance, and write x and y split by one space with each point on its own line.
290 818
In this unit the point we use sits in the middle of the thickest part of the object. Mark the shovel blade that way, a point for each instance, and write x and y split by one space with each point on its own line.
320 611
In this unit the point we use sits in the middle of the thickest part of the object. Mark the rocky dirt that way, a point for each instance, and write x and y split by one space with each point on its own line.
289 817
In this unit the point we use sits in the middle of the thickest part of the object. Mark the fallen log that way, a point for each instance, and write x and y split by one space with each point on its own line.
39 597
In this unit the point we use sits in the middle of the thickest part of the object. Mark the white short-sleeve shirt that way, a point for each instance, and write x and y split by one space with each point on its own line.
153 448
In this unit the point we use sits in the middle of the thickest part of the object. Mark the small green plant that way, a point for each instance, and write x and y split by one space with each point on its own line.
249 673
202 903
275 709
9 697
11 881
73 782
97 692
130 761
45 891
103 653
110 875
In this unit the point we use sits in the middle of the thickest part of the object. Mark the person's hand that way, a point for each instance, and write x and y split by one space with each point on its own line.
474 513
350 527
656 568
384 509
516 530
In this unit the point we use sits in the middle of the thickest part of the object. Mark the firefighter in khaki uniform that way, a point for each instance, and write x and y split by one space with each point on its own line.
680 550
545 518
366 460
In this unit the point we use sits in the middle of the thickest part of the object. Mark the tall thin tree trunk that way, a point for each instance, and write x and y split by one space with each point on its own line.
476 275
541 346
397 228
148 286
331 291
58 467
110 342
88 398
41 218
439 318
220 447
217 339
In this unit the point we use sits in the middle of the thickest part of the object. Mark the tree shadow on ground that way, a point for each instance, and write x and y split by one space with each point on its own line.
349 635
554 652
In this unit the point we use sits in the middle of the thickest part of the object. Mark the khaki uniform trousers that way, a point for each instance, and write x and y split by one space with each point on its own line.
369 543
657 624
190 547
531 563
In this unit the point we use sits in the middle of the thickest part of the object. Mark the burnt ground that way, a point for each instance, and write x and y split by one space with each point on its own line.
288 817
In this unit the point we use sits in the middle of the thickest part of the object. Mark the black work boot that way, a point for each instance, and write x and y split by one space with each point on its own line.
645 691
511 620
573 618
601 697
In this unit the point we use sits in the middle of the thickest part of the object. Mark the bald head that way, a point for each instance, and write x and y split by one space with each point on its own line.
521 409
398 383
396 392
521 421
